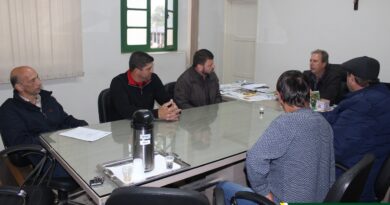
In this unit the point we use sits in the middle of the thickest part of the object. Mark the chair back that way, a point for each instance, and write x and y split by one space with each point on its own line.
154 195
382 183
343 90
104 106
18 165
349 186
170 89
14 157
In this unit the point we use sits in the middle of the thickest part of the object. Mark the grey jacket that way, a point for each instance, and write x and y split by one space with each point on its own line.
191 90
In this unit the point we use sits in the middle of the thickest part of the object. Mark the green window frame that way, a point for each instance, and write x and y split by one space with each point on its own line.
142 29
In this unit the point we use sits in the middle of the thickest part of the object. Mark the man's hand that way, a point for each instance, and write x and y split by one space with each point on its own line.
270 196
169 111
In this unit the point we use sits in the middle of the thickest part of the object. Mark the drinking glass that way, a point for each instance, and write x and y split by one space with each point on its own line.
127 172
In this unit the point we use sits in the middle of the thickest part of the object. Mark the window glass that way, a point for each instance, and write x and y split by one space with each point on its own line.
136 36
170 5
136 18
170 20
136 4
148 25
157 24
170 37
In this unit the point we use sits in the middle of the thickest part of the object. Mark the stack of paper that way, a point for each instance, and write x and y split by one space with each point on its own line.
227 88
255 86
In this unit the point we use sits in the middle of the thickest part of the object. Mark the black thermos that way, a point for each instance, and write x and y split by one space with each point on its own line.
143 140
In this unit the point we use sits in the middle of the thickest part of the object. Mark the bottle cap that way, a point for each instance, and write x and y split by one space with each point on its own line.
142 119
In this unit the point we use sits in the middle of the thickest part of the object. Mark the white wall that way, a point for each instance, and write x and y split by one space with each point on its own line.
211 30
102 59
288 30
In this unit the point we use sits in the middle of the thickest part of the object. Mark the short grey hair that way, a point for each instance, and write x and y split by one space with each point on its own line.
324 55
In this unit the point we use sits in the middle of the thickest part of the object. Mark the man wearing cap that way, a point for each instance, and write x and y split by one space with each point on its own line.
324 77
360 121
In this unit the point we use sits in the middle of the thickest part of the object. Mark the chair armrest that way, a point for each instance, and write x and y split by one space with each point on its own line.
251 196
18 157
11 190
341 166
24 148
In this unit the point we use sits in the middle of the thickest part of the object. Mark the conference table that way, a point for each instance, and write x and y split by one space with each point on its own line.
205 138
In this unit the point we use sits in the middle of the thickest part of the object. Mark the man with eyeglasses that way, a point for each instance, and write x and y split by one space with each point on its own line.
32 111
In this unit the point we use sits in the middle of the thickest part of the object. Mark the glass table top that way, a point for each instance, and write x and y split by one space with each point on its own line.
202 135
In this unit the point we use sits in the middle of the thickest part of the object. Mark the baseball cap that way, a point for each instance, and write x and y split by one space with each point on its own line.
364 67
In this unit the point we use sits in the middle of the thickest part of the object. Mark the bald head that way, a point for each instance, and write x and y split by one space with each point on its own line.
25 81
18 73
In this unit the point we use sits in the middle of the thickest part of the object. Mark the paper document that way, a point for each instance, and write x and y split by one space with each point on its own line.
252 97
86 134
225 88
247 91
255 86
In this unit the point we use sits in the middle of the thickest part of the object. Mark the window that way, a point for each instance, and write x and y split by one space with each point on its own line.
148 25
45 35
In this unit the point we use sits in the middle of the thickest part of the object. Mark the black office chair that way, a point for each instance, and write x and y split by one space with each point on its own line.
105 106
382 182
63 185
347 188
34 190
170 89
343 84
154 195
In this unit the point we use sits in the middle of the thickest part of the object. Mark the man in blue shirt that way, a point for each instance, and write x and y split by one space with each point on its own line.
361 121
